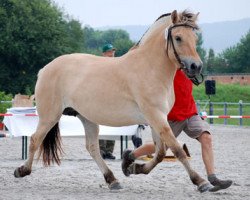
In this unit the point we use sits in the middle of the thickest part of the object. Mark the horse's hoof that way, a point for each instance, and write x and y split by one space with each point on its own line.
126 161
115 186
204 187
21 172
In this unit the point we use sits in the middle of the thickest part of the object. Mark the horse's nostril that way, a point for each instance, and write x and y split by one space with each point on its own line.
193 66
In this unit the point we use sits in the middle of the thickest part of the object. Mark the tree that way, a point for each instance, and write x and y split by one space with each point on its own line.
242 52
201 51
95 39
235 59
120 39
210 61
32 33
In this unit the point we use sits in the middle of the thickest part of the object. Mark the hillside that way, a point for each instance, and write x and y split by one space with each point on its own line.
218 36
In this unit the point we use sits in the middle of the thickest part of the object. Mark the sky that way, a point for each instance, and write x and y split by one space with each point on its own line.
99 13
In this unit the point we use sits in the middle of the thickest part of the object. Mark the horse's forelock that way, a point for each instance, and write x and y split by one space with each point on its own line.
188 17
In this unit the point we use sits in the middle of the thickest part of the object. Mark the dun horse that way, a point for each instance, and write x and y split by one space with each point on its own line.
136 88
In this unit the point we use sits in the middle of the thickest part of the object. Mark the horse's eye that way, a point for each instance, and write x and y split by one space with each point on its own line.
178 38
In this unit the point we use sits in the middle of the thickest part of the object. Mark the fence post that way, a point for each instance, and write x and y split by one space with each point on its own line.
211 112
240 111
198 106
225 112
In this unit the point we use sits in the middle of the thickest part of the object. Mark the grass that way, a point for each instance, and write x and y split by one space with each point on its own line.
226 93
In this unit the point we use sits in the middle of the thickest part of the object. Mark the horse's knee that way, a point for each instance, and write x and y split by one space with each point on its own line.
92 149
168 137
165 129
88 147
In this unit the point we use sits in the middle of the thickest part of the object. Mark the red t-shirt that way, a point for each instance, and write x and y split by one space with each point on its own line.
184 106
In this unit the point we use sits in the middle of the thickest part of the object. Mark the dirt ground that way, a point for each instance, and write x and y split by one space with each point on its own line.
78 177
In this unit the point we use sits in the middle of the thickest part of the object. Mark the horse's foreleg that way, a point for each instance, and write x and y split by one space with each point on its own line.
92 145
170 140
161 127
136 168
35 142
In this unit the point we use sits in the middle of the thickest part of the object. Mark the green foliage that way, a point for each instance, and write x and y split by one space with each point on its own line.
224 93
234 59
4 105
201 51
32 33
94 40
210 61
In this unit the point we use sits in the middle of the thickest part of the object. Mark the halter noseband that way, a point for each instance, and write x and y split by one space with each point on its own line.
195 80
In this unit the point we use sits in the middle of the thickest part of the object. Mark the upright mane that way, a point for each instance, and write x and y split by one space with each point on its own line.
185 17
163 19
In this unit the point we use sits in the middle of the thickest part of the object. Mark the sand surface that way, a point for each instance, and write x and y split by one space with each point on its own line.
78 177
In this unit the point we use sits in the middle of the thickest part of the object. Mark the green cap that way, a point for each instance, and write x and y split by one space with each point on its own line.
108 47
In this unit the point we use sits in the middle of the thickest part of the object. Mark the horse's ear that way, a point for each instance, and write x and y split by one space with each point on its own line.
174 17
195 17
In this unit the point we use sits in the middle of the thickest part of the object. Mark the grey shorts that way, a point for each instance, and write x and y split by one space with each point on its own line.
193 127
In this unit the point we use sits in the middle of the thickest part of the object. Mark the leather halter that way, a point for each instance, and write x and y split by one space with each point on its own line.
170 41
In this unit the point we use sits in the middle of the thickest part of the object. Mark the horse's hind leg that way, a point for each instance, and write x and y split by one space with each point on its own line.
35 142
136 168
92 145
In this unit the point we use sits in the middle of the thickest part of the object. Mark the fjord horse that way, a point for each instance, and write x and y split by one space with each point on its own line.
136 88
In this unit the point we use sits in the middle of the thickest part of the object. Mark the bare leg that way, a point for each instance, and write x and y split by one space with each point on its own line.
208 159
145 149
92 145
207 152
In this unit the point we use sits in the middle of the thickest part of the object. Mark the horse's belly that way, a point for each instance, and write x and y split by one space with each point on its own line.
123 114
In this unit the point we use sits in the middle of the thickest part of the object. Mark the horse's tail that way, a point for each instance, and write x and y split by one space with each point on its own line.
51 149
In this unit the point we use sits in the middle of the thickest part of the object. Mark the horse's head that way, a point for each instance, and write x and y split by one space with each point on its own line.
181 41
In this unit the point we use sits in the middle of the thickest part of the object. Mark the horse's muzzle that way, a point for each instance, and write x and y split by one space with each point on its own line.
192 68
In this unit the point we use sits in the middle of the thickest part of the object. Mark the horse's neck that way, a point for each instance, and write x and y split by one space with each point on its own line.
154 53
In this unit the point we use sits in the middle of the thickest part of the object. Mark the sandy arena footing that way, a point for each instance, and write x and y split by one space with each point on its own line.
78 177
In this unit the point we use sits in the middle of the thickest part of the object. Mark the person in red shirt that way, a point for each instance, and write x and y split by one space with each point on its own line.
184 117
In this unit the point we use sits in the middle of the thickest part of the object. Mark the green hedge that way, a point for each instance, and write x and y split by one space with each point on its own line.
4 106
